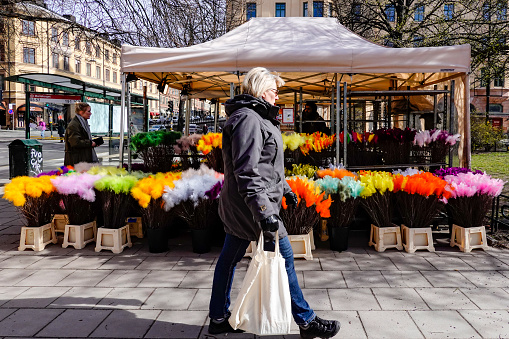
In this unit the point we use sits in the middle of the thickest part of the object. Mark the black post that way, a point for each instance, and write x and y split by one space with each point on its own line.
27 111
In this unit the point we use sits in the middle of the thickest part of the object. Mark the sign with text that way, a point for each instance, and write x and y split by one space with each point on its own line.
287 115
55 98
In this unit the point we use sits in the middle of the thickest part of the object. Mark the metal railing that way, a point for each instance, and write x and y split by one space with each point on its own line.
499 212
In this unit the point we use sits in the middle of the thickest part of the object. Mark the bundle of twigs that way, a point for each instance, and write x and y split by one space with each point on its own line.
417 211
113 207
38 210
378 206
154 215
342 212
160 158
215 159
195 216
78 210
469 211
300 219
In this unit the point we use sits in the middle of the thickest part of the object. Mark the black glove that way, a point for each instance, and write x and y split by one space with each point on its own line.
270 224
291 199
98 141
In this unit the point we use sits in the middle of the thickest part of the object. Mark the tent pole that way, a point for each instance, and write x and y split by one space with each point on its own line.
345 126
122 112
216 115
128 129
332 111
453 120
338 93
295 110
300 110
188 116
232 90
465 160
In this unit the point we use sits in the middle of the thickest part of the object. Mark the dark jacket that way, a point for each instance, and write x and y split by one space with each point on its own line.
78 146
61 127
254 181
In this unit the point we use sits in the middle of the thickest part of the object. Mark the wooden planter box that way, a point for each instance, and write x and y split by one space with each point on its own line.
383 238
79 235
36 238
417 239
301 246
59 221
135 227
469 238
113 239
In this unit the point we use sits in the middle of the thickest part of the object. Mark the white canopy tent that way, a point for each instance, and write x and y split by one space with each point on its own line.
310 54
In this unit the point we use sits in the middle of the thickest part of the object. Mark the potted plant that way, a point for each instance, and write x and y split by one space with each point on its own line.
211 145
148 193
419 199
78 196
377 202
300 220
34 199
471 198
192 198
114 194
344 194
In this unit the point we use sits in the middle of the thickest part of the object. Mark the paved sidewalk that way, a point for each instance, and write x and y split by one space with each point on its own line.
59 293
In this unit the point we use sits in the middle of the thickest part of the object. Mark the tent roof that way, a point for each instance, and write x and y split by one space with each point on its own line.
306 51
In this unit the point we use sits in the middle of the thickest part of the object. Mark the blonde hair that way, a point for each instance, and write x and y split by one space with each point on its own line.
259 80
81 107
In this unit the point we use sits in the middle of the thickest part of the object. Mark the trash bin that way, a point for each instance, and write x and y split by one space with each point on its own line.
25 158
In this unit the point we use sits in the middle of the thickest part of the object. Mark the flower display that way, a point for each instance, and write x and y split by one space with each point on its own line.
442 172
395 144
115 198
186 148
107 170
335 172
419 197
77 194
156 149
316 142
34 198
148 192
312 205
301 170
293 141
438 142
192 195
377 195
211 145
344 193
472 197
59 171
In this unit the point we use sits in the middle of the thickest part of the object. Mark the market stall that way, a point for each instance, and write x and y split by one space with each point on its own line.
314 56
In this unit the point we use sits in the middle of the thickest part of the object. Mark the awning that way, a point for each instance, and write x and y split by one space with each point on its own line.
33 107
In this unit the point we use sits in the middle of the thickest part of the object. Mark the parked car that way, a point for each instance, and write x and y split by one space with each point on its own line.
193 128
154 128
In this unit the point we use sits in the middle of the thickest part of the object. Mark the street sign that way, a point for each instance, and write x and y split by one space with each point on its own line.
11 111
55 98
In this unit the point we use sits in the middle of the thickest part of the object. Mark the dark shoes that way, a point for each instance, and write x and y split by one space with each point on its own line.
320 328
222 327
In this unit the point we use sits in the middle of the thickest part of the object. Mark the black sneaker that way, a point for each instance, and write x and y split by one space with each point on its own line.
320 328
222 327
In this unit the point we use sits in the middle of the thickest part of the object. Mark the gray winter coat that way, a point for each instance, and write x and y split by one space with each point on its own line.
254 180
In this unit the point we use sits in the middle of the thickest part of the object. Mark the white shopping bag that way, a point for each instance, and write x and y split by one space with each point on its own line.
263 306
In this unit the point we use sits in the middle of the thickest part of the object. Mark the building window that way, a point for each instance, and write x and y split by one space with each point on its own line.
501 11
317 8
2 52
89 69
66 63
55 58
419 12
77 67
114 77
418 40
498 80
150 88
28 27
305 9
107 75
114 58
54 35
486 11
449 11
390 13
107 55
496 108
356 12
250 10
77 43
98 72
32 88
280 9
65 38
330 10
97 51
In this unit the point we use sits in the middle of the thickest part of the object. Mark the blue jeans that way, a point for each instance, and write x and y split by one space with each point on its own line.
234 249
